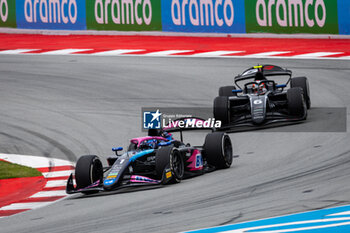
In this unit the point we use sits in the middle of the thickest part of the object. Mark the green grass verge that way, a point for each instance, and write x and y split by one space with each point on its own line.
11 170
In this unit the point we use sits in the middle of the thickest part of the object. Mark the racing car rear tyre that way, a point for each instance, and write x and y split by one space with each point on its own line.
296 102
218 149
172 158
221 109
227 91
88 170
303 83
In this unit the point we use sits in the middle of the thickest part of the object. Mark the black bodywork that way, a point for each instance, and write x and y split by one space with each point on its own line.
260 100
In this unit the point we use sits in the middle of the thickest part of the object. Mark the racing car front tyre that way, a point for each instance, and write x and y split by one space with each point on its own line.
221 109
296 102
88 170
171 158
218 149
303 83
227 91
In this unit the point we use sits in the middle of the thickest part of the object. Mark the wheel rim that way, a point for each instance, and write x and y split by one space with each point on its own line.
96 170
227 150
308 101
177 164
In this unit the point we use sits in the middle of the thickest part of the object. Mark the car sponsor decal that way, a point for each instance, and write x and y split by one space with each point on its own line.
199 161
140 154
109 182
142 179
168 175
113 174
196 161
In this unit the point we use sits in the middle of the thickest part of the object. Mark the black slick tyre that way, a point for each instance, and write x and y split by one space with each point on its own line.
227 91
296 102
220 109
88 170
303 83
218 150
170 157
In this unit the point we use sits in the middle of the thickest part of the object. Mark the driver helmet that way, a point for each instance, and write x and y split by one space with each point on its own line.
255 88
167 135
262 87
259 76
259 87
151 144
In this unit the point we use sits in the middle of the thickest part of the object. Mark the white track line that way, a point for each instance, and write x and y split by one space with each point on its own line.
117 52
167 52
50 193
55 183
177 53
17 51
22 206
341 213
318 54
57 174
266 54
35 161
215 53
298 229
64 51
260 228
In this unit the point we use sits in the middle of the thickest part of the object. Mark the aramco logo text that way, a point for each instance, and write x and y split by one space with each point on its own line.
51 11
202 12
123 11
292 13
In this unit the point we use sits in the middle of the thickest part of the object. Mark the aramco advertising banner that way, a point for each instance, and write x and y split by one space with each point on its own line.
51 14
344 16
124 15
292 16
203 16
7 13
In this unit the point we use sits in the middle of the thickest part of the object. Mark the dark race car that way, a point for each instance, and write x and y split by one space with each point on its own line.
152 160
261 100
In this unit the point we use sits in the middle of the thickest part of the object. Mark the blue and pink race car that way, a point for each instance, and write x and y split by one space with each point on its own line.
152 160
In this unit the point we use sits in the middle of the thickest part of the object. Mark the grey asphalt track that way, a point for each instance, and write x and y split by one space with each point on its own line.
67 106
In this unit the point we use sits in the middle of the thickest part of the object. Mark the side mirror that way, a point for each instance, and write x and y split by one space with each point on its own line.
281 86
116 149
237 91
